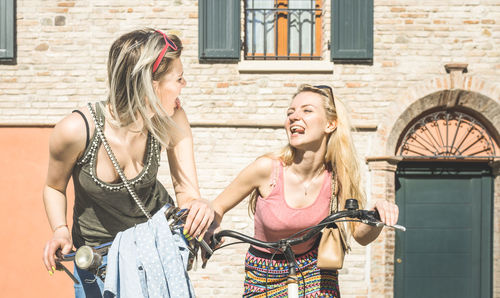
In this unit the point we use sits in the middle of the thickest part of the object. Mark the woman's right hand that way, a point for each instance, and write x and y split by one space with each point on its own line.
61 240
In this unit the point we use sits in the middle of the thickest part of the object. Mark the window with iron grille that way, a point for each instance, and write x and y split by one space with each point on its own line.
283 29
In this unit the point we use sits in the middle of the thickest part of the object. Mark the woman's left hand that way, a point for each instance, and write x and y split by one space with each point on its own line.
388 211
200 216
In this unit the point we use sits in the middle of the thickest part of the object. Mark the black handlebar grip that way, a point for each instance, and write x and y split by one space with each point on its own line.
373 217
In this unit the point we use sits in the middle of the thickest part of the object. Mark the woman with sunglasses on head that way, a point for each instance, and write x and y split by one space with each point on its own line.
140 117
292 190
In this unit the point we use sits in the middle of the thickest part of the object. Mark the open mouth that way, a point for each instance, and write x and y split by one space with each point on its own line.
296 129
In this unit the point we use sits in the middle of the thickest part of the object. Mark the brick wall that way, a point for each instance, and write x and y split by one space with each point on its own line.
62 50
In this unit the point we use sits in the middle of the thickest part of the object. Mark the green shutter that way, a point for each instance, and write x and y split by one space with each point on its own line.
7 31
352 30
219 30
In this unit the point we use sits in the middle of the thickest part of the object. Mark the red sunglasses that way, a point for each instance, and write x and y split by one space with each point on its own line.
168 44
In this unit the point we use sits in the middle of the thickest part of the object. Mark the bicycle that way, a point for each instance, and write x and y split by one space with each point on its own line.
91 258
284 246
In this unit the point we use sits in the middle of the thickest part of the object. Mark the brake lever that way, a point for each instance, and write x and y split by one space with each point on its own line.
208 253
398 227
381 224
60 257
61 267
205 260
373 218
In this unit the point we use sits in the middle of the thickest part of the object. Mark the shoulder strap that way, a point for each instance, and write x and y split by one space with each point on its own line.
116 165
334 207
86 126
334 203
276 171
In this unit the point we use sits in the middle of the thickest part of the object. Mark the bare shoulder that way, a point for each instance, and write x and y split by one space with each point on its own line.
263 169
69 135
263 166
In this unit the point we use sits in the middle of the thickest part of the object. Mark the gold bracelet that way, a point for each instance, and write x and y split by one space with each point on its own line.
59 226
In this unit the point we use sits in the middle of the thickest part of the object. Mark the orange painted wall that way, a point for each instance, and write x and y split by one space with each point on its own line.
24 228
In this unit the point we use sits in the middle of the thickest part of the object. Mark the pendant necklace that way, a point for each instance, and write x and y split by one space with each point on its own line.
307 184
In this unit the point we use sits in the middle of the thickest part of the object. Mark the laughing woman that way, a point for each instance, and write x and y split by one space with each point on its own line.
291 190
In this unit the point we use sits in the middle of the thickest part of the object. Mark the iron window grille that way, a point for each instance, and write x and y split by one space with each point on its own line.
282 30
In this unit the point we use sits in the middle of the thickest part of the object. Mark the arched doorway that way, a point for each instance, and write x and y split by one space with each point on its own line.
456 92
444 189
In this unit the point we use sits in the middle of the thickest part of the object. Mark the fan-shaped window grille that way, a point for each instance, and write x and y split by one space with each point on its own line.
448 134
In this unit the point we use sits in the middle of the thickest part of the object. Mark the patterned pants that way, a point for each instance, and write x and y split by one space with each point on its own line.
259 267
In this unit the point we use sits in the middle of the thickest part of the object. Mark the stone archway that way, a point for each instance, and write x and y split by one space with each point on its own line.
448 91
454 91
483 108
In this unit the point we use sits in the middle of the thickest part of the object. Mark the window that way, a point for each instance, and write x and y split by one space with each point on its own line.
285 29
282 29
7 32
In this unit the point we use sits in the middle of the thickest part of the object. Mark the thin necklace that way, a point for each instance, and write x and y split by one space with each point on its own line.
307 184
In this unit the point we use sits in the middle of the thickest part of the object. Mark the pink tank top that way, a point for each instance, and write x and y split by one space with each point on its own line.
275 220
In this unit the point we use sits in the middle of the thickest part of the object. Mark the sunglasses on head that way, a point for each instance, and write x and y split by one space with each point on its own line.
328 89
168 44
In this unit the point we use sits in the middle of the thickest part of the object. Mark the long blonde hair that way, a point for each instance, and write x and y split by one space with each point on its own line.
340 156
130 82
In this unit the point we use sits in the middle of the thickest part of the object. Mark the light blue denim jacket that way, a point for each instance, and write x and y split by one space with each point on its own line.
148 261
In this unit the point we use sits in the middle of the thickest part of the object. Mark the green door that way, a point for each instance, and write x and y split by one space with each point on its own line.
447 248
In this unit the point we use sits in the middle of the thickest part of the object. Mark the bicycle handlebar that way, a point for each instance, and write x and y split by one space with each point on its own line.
310 232
216 238
352 213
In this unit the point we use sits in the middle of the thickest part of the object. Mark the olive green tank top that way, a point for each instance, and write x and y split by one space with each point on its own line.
102 209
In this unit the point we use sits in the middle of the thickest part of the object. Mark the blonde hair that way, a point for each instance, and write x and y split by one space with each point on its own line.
130 82
340 156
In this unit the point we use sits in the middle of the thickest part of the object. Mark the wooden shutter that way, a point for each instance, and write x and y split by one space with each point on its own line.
7 31
352 30
219 30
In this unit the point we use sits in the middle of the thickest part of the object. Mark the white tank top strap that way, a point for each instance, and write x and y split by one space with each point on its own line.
276 168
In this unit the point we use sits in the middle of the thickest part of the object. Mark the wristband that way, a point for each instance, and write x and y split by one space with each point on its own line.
59 226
